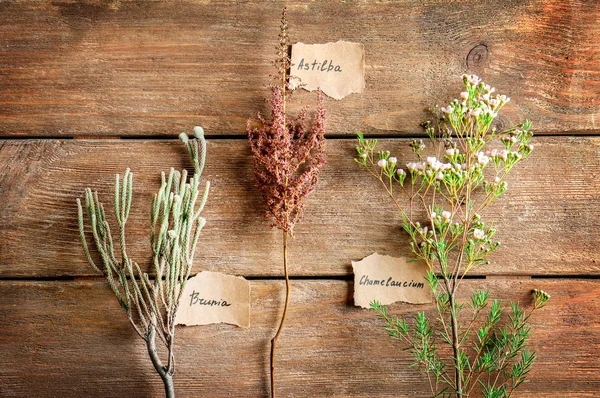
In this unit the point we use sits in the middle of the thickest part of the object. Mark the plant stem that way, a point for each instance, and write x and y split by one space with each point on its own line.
285 307
169 388
166 377
455 337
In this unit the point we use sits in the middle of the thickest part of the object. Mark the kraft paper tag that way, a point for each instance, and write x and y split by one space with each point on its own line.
389 279
213 297
338 69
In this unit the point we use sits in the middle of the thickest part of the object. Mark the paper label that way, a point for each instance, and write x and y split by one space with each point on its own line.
338 69
389 279
213 297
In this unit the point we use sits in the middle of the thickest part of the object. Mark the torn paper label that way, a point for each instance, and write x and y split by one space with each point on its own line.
389 279
338 69
213 297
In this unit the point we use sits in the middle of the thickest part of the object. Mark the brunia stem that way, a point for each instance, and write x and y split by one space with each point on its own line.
169 389
165 375
285 308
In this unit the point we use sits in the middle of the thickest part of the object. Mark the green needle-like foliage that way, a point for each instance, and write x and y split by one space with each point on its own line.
442 196
151 304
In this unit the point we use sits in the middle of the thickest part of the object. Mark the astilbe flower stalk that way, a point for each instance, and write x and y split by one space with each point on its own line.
444 193
288 156
151 305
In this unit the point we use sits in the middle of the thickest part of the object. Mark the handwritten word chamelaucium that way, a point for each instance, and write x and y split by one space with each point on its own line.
195 299
325 66
364 280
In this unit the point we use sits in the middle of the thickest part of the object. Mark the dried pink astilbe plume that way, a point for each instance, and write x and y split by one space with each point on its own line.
288 156
289 153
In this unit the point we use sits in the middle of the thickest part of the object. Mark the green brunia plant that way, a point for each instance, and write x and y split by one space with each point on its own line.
443 196
151 305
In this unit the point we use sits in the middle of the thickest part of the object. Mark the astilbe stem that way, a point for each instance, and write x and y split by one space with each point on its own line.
151 306
288 155
452 186
283 315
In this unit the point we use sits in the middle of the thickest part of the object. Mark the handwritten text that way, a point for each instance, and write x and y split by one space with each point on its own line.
364 280
195 299
325 66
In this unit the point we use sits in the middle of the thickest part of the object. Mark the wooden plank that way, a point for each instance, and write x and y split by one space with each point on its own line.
73 68
72 339
546 222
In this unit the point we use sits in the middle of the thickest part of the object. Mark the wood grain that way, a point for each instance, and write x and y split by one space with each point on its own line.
547 221
150 68
146 68
72 339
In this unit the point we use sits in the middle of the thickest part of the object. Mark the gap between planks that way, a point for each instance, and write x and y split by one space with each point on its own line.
169 137
348 278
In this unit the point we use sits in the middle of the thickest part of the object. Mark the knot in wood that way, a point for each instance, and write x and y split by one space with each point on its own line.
477 57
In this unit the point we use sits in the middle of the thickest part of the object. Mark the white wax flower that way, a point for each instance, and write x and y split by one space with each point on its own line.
494 103
482 159
475 112
478 234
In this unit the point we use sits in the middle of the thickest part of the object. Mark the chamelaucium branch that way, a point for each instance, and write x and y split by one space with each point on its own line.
151 305
444 194
288 155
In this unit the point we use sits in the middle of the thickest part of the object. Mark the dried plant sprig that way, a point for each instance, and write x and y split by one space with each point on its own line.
151 305
288 158
289 154
443 195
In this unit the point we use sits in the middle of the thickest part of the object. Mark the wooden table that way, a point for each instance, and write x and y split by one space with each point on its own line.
88 88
